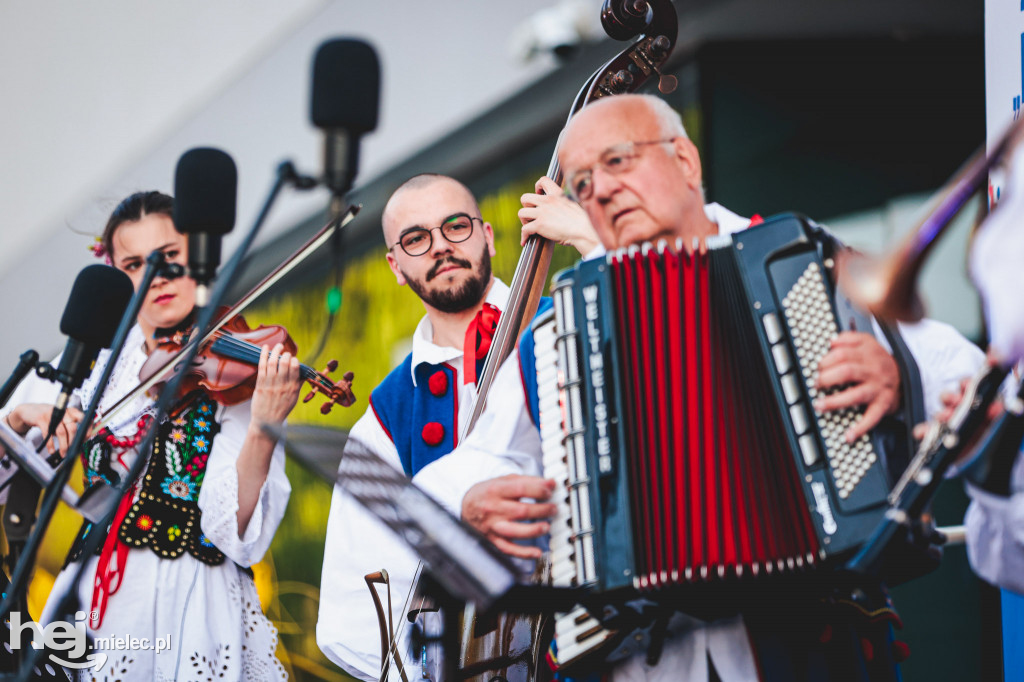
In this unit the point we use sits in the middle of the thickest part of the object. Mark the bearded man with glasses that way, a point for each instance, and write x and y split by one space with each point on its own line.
441 248
629 164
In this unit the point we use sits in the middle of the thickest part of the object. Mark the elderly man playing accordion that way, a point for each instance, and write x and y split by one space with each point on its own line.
632 168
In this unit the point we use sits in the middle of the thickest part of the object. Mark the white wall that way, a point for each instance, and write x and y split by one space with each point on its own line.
101 98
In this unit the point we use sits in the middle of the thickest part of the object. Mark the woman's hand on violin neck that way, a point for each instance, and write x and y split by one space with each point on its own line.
23 417
277 386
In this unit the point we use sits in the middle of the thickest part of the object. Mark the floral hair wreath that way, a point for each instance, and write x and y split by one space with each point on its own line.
99 250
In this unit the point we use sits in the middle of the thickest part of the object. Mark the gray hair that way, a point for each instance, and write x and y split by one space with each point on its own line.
670 123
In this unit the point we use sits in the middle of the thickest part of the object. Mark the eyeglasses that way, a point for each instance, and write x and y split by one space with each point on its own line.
419 240
615 160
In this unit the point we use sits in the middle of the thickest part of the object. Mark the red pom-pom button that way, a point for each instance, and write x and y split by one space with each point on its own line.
868 648
433 433
900 651
438 383
826 634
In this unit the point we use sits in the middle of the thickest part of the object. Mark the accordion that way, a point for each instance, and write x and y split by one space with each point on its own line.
675 397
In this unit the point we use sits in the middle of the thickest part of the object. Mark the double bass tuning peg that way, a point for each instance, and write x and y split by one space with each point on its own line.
621 81
659 49
666 83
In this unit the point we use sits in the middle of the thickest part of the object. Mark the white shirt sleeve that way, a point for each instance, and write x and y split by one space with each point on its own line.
943 356
218 498
504 441
347 629
995 533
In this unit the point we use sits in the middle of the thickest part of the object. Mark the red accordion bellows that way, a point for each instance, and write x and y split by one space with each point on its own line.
712 492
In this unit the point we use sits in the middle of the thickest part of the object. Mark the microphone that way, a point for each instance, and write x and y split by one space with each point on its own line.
346 98
205 188
94 310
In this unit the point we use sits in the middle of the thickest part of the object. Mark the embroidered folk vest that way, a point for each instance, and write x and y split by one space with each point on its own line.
166 517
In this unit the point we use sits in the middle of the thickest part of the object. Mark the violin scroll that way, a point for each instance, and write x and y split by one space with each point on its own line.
339 393
624 20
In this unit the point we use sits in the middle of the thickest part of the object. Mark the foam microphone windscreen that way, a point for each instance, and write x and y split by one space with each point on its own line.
205 191
346 86
97 302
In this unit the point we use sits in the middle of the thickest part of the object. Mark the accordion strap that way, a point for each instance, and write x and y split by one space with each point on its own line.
912 393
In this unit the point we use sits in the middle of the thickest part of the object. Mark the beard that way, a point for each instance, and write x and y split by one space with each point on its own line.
463 297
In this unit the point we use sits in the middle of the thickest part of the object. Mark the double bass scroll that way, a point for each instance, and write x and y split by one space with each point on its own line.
655 22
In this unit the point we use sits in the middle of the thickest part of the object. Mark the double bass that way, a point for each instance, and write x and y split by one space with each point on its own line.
511 646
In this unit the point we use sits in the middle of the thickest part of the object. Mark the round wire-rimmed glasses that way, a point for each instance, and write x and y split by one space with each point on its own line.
417 241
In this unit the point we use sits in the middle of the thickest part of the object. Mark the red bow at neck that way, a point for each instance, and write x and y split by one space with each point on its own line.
478 341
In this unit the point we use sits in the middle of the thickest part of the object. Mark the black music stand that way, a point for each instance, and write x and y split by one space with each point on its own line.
465 563
461 564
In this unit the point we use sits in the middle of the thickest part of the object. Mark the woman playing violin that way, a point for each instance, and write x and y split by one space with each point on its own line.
174 566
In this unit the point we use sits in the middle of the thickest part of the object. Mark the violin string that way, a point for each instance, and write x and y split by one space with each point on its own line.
249 352
245 351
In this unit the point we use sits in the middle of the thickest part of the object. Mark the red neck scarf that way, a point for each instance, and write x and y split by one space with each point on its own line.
478 341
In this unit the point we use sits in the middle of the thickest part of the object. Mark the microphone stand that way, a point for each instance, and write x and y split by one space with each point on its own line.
155 265
26 362
926 470
286 174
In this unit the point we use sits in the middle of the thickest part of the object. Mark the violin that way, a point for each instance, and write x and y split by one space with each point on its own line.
319 381
227 364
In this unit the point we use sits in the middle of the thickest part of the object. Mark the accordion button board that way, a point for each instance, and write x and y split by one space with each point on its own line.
812 327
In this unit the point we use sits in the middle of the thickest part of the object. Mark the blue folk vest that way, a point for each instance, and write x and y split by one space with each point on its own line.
422 418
